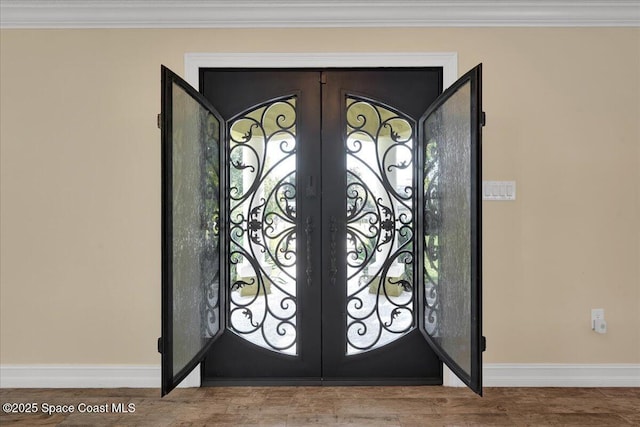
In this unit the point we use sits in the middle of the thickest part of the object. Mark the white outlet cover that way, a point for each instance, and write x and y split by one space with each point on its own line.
597 314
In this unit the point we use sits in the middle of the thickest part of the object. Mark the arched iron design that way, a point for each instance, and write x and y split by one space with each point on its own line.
262 225
380 227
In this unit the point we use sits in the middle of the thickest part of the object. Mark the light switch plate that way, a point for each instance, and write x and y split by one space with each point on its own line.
498 190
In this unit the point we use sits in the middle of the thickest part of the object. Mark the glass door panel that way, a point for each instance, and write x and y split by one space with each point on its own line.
191 134
380 228
451 254
262 233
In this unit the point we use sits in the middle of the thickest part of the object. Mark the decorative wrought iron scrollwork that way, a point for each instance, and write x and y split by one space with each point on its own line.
262 225
380 227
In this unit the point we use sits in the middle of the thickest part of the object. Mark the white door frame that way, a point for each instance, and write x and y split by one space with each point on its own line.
447 60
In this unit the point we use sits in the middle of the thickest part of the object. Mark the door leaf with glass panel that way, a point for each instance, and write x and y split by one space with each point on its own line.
191 199
450 134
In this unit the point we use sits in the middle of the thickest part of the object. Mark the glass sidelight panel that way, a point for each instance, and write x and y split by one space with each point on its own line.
262 229
380 226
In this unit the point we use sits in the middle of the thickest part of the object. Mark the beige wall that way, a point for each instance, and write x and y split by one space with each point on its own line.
80 184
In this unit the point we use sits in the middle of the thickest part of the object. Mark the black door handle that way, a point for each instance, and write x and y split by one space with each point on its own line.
333 268
308 229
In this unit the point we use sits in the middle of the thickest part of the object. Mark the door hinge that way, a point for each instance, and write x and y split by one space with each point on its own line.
483 119
483 343
160 345
159 121
323 78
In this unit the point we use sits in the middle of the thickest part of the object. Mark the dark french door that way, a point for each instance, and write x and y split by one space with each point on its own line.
319 226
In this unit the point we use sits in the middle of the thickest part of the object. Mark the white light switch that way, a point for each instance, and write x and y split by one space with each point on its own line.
498 190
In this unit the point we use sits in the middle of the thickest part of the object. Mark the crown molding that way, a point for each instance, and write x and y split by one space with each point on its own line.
318 13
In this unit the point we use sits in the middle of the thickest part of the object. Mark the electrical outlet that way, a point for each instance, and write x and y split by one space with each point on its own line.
597 314
598 324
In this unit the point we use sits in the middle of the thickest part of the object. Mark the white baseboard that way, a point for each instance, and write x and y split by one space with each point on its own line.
87 376
553 375
561 375
495 375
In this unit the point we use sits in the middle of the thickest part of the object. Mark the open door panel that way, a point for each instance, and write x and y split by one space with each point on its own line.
191 251
450 205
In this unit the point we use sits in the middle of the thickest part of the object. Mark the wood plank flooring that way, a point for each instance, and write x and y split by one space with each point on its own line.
331 406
